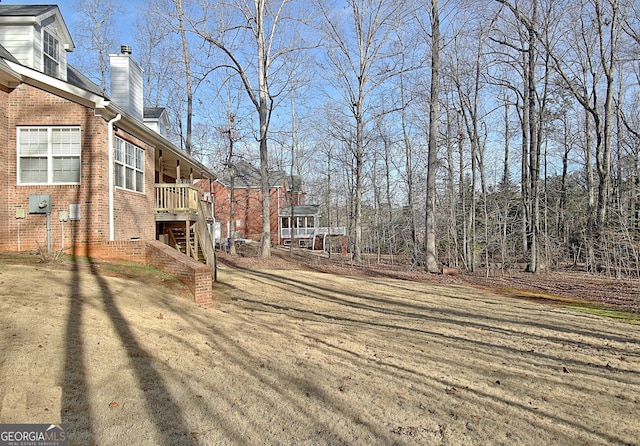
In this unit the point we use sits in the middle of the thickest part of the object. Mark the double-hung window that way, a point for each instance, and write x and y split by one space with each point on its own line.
48 155
51 52
129 166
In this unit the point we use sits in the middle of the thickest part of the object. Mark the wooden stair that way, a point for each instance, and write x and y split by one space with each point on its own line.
194 239
190 247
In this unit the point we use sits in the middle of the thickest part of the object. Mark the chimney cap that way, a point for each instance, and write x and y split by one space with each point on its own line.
125 49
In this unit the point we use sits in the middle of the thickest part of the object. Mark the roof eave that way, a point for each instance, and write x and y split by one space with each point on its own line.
20 74
154 139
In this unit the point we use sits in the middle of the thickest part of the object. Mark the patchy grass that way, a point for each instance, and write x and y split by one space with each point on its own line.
573 304
20 258
623 316
115 268
537 296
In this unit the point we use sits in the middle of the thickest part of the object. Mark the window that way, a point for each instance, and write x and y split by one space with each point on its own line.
50 54
48 155
129 167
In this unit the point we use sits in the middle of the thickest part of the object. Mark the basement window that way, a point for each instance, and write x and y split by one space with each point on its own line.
48 155
129 166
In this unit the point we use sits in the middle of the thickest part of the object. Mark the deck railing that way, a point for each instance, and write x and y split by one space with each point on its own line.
298 233
176 198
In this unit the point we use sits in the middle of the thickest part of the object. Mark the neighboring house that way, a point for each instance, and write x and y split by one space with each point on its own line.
86 173
291 219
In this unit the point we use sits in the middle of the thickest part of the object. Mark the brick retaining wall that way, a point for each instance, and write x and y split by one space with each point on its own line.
197 276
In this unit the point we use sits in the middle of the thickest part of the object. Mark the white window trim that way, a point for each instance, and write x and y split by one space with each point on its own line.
126 166
50 156
46 56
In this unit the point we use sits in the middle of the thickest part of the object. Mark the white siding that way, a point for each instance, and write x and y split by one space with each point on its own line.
152 124
24 42
126 84
164 124
19 41
37 49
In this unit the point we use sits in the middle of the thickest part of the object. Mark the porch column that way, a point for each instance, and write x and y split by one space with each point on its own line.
159 175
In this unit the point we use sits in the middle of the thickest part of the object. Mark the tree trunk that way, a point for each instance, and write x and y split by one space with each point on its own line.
359 158
187 75
263 112
432 265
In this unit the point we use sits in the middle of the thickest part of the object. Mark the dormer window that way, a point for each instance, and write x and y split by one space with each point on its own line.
50 49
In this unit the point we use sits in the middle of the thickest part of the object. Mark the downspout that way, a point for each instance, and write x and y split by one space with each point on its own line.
111 178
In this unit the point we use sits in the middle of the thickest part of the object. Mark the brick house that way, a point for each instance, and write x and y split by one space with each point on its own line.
247 210
291 220
86 173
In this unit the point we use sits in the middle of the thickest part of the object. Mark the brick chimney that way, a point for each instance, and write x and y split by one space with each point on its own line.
126 82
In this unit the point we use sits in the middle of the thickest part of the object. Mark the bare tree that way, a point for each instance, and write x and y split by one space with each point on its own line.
587 60
528 56
166 36
259 25
430 230
96 37
361 57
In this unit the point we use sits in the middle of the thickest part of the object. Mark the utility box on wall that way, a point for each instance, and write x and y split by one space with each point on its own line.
39 203
74 212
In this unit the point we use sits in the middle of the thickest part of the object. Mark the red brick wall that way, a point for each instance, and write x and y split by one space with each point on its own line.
27 105
221 206
248 209
131 250
133 212
277 202
5 208
197 276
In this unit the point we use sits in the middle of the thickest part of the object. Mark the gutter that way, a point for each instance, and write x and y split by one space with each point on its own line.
59 87
111 177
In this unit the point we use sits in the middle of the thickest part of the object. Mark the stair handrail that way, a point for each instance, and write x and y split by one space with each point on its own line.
172 237
204 237
194 242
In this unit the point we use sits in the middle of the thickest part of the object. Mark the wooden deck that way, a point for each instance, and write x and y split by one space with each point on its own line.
179 202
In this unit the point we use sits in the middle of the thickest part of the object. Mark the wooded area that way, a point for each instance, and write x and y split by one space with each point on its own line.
477 134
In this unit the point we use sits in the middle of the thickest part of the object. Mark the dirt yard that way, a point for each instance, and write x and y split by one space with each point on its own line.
296 356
